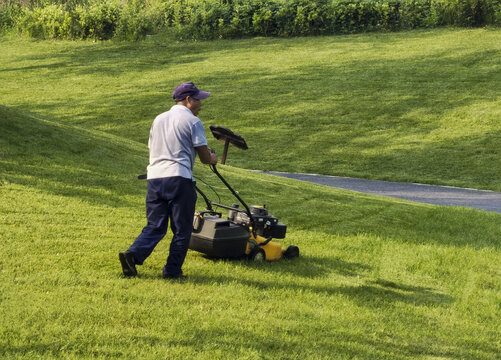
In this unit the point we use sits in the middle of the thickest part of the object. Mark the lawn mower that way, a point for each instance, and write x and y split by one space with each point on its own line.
247 232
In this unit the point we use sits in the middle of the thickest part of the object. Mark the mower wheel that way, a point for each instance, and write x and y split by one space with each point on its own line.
257 254
291 252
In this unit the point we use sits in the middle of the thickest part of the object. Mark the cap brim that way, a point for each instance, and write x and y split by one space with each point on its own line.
201 95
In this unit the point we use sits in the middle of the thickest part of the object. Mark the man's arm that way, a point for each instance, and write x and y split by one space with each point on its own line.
205 155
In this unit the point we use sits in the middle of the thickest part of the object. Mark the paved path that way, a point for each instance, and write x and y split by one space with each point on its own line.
430 194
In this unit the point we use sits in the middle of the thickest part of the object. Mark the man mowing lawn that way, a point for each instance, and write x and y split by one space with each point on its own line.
176 136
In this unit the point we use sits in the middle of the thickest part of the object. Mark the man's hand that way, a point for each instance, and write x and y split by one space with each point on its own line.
213 158
206 156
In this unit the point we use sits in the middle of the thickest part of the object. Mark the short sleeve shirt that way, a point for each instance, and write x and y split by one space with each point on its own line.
174 136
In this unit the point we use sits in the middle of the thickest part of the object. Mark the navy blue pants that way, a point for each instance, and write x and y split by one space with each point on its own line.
171 198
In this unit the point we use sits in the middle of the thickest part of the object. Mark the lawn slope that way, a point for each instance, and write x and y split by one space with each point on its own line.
420 106
377 278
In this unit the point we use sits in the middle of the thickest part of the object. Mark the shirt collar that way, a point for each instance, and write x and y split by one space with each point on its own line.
181 107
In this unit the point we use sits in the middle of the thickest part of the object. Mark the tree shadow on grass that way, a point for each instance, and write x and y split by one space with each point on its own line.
330 342
371 294
65 348
305 266
312 273
335 343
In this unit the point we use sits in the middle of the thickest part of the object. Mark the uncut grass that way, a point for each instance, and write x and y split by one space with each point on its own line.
421 106
377 278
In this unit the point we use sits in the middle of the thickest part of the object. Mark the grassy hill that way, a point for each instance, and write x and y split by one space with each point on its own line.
420 106
377 278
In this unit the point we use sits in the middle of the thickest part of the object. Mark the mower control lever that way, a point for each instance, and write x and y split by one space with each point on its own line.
235 193
209 212
247 209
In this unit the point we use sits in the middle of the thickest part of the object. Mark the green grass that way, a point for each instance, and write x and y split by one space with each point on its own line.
419 106
377 277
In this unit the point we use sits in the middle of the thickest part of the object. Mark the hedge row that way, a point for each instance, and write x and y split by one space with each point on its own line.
209 19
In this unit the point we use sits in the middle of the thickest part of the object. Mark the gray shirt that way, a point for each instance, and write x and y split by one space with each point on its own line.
174 136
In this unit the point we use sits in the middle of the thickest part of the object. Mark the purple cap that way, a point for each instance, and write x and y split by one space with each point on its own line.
189 89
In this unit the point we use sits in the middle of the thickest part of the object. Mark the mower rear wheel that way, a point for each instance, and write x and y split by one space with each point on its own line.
291 252
257 254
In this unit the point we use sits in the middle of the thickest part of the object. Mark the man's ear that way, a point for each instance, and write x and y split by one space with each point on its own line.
187 102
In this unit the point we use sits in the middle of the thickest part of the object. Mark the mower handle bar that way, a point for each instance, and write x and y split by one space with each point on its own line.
228 207
247 210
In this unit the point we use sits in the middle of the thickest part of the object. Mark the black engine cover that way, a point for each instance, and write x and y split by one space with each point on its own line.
266 225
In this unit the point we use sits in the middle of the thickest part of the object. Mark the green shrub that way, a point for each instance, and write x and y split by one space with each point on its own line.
474 12
134 21
8 15
469 13
241 23
302 17
49 22
263 20
497 14
209 20
213 19
418 14
98 20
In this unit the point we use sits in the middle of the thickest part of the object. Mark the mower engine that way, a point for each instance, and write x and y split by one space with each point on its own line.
265 225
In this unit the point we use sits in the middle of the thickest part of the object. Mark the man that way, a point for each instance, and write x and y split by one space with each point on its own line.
176 137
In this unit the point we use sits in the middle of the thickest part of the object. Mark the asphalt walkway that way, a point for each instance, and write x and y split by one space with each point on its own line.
429 194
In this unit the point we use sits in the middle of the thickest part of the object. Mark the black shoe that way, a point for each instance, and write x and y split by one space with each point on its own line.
128 264
175 277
